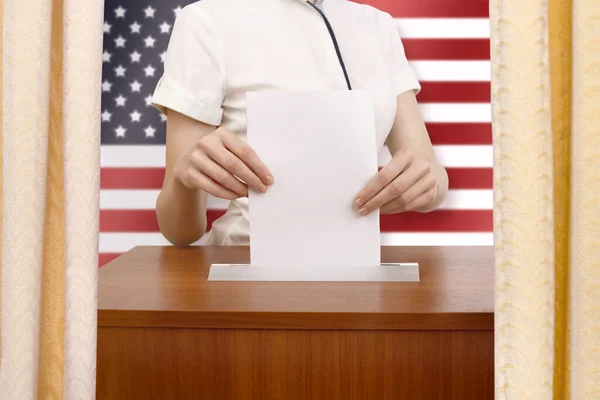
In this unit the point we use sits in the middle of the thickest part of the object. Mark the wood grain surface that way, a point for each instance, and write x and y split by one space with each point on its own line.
164 332
167 287
229 364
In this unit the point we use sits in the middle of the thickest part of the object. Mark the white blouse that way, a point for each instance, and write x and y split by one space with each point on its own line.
221 49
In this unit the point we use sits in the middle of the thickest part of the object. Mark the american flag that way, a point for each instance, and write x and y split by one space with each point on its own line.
447 43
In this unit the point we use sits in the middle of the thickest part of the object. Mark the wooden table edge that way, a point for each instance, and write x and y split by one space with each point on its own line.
295 320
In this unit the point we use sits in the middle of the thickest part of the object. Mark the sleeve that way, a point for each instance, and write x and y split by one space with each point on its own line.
193 80
401 73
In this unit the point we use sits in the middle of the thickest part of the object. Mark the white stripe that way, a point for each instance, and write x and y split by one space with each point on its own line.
437 239
455 156
122 242
443 28
452 71
451 112
146 200
469 200
132 156
476 156
142 199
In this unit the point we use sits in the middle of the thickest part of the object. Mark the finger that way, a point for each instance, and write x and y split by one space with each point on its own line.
218 174
419 194
197 179
234 166
395 189
245 153
422 201
381 180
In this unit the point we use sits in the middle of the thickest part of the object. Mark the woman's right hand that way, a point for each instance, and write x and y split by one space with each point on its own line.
224 166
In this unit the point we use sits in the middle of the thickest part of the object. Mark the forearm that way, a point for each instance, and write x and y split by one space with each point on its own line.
181 213
409 132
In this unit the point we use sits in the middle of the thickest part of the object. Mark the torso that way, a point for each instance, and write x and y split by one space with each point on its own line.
285 45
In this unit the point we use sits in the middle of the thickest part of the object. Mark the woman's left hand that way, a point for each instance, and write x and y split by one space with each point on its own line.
406 183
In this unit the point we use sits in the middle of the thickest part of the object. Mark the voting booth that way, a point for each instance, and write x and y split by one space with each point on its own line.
166 332
314 307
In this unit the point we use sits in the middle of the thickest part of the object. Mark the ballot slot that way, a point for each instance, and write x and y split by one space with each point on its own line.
387 272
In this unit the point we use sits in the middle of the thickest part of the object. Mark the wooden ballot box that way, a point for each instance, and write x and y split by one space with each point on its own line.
166 332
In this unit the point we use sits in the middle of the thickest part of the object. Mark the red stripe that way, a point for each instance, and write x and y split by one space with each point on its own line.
131 178
447 49
437 221
151 178
104 258
471 178
128 221
476 134
139 220
454 92
432 8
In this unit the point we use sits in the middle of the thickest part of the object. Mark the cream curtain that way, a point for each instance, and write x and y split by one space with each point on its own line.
546 123
50 136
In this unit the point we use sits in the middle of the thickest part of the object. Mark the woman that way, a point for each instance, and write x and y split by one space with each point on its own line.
221 49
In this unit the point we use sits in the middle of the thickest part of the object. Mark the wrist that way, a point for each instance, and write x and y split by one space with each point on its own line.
179 190
175 189
181 211
441 189
176 181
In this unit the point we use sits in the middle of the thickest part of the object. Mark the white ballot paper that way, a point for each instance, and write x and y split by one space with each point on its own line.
321 148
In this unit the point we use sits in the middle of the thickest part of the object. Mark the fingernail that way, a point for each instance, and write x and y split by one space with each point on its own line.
362 212
262 188
358 203
270 180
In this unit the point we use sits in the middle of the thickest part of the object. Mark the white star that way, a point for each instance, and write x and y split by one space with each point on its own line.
148 100
106 116
135 86
162 56
106 56
149 70
165 28
163 117
135 116
120 41
149 41
176 10
120 12
120 71
135 27
107 27
120 101
149 131
135 57
149 11
106 85
120 131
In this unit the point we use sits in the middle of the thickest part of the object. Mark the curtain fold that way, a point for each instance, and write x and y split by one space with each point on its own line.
25 120
50 136
560 50
585 204
82 82
546 124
